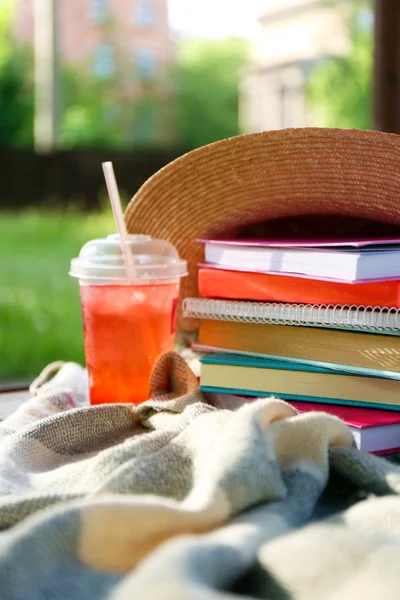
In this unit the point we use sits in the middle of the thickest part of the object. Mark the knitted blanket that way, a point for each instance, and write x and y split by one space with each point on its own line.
178 499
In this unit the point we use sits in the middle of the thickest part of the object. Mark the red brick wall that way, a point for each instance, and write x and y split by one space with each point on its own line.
79 33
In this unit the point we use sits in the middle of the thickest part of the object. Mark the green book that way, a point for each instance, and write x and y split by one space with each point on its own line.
261 377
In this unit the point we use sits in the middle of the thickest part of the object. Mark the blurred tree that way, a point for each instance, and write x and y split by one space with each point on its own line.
340 88
105 112
87 112
207 79
203 93
108 107
16 87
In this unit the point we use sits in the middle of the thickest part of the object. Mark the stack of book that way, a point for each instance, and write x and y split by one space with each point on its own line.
315 322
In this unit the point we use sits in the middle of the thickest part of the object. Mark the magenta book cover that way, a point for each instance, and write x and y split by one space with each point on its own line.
308 243
361 418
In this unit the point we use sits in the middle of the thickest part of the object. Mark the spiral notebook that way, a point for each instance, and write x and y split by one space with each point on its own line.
360 318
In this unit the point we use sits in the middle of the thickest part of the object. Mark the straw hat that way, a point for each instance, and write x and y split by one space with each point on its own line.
236 187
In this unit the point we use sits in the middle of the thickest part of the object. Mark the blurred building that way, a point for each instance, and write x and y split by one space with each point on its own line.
95 31
125 41
295 35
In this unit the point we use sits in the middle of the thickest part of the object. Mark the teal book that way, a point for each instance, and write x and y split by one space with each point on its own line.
261 377
335 367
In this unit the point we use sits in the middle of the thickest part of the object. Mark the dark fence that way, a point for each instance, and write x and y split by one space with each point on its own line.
57 179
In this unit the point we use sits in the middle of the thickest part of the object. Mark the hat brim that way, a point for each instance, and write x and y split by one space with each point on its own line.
254 178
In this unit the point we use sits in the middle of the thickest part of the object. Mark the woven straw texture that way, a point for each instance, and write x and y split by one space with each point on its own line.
219 188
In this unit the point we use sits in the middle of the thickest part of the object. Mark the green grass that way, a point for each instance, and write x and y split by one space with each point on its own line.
40 318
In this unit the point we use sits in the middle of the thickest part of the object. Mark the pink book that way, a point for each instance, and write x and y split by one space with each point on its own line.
296 275
376 431
351 260
355 416
308 242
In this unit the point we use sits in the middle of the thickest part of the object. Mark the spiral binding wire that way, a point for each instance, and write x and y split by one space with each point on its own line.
373 318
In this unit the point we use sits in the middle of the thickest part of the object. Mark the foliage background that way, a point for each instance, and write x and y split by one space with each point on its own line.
340 88
40 317
16 86
101 112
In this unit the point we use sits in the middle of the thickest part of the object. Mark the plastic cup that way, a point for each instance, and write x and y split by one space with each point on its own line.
129 313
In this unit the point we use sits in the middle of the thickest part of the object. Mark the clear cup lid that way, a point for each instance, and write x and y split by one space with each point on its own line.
151 260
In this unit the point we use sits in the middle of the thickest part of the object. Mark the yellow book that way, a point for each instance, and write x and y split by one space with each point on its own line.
350 348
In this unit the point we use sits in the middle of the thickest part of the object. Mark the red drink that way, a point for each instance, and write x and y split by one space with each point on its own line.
126 328
128 313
